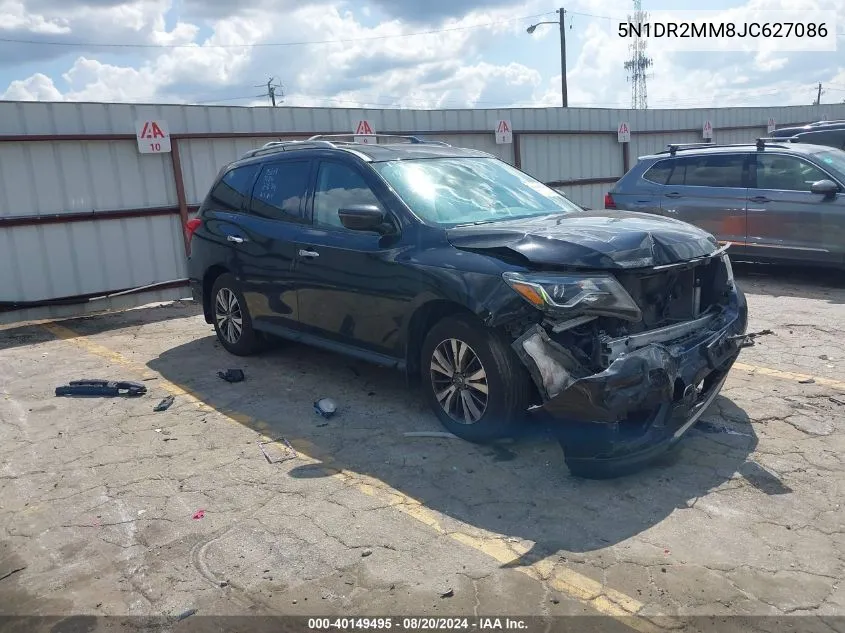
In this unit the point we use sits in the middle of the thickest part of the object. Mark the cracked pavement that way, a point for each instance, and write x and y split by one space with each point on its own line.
97 494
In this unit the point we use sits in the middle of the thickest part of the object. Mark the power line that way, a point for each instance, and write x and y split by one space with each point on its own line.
271 44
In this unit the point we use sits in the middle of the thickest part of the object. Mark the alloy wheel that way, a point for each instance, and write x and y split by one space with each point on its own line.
459 381
229 317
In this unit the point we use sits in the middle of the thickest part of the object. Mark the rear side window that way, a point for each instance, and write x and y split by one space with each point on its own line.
717 170
279 193
232 190
659 172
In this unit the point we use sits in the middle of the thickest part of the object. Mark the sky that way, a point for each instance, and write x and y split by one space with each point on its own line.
387 53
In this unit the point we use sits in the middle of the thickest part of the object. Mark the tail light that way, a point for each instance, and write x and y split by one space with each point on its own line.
190 227
609 202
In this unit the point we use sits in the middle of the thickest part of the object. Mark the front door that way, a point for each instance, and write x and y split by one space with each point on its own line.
785 219
353 292
273 225
709 191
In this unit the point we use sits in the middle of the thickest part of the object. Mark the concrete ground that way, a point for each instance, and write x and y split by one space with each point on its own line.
101 498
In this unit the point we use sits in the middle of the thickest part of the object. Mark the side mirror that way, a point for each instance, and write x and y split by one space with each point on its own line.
362 217
825 188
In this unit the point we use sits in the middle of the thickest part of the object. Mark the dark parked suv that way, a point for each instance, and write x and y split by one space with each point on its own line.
830 133
496 292
773 201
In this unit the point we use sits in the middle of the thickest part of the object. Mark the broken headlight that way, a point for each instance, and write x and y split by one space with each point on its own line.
729 270
575 294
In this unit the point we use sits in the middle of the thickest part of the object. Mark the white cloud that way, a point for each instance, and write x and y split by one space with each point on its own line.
38 87
457 68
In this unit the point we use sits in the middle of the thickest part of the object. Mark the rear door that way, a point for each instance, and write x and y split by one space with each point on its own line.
785 219
270 230
710 191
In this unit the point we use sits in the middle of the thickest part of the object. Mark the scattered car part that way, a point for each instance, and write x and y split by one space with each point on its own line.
325 407
164 405
232 375
96 387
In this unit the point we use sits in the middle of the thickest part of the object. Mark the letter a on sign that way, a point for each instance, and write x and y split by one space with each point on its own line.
364 127
623 132
707 130
771 127
153 136
504 132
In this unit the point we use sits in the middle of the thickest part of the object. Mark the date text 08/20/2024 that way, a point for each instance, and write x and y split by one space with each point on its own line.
416 624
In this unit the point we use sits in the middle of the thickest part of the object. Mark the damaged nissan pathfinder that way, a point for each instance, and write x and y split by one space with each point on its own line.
497 293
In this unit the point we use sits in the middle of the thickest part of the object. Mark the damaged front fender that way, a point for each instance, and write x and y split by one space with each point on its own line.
663 375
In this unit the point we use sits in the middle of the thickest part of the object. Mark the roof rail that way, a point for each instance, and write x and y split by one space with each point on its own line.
284 146
831 122
411 139
674 148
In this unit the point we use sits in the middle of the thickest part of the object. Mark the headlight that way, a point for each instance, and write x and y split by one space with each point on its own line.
728 269
575 294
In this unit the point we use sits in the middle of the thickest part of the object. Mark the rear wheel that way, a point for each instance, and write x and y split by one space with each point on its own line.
232 321
473 381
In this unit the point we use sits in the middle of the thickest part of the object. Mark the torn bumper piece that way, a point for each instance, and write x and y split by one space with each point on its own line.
645 400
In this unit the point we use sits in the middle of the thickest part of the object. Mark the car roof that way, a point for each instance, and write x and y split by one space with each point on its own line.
818 126
704 149
384 150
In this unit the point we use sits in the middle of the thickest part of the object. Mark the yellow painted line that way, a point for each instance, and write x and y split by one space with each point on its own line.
567 581
789 375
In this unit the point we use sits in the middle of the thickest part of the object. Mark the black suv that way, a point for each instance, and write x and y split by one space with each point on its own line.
830 133
498 293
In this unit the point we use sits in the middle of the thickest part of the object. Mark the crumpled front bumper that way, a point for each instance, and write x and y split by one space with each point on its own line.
646 399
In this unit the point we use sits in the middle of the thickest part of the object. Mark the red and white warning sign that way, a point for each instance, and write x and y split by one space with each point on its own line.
153 136
771 127
623 132
707 130
364 127
504 132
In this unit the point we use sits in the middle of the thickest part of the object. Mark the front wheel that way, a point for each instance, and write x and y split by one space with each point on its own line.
473 381
232 321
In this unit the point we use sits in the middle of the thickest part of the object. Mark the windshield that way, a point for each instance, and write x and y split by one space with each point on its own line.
451 191
834 160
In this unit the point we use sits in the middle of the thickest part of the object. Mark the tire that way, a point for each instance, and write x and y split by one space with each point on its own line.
226 293
473 415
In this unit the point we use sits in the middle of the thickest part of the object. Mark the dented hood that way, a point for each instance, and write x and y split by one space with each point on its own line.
591 239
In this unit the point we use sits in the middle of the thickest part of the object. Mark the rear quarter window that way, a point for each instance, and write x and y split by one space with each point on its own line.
659 172
232 191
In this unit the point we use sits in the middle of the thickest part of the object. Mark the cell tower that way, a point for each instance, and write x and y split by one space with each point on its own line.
639 61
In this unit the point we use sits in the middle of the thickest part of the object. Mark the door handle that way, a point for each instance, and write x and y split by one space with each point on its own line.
672 194
235 239
308 254
759 199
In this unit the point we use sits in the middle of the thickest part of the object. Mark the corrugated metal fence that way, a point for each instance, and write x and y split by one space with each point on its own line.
83 214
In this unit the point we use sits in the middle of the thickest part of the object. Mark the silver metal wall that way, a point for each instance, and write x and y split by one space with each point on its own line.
54 174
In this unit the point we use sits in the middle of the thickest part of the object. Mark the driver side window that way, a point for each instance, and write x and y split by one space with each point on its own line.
339 186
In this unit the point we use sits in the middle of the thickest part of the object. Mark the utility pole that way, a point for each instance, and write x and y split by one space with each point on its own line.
561 22
819 98
271 90
563 89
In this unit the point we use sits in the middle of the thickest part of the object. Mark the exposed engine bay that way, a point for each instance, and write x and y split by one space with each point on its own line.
605 369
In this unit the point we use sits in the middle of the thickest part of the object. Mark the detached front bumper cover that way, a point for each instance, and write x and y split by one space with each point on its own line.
646 398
